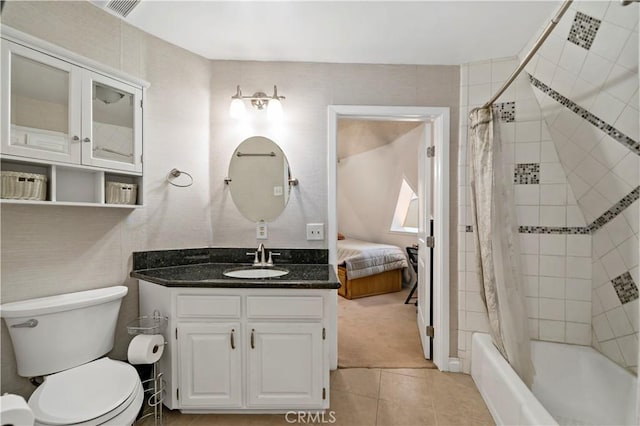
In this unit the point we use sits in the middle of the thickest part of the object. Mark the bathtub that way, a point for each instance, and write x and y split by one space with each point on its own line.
574 385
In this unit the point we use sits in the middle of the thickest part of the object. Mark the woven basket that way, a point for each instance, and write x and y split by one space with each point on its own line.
23 186
120 193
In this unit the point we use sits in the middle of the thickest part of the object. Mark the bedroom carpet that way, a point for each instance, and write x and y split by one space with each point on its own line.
379 332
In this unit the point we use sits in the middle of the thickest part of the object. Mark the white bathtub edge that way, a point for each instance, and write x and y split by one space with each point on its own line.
509 401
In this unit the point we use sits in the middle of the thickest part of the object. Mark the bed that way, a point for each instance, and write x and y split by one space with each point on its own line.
367 269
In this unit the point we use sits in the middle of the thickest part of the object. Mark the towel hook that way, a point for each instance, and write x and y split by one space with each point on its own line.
174 173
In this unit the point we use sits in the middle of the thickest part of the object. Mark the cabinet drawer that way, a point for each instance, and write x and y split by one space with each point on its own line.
208 306
304 307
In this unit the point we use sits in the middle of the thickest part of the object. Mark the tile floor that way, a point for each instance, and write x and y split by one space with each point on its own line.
373 396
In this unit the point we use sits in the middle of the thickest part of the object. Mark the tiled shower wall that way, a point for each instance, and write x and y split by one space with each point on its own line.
585 78
556 253
574 143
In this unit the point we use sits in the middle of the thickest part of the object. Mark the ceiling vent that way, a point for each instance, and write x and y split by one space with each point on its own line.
122 8
119 8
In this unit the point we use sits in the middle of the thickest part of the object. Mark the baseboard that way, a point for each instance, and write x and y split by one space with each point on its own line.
454 365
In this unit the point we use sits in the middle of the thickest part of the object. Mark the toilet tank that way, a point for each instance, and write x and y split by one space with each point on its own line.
55 333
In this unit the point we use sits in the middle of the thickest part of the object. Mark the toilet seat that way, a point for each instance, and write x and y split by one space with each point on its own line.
90 394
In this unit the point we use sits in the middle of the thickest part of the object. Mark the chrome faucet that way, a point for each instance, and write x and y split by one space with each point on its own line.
260 252
260 256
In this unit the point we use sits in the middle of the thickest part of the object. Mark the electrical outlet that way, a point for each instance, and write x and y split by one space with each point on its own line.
261 230
315 231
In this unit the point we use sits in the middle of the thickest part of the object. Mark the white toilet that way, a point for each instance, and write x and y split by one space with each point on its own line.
63 338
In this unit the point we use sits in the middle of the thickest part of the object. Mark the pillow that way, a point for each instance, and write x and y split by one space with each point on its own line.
340 236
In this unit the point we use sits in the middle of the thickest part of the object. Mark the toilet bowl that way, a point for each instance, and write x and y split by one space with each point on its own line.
64 339
101 392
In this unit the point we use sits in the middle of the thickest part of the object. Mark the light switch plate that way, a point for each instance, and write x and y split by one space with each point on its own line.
315 231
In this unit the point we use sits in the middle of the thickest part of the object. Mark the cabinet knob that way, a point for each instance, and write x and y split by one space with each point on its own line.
86 140
233 342
75 138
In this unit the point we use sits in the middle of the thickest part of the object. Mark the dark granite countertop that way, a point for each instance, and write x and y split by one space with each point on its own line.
210 275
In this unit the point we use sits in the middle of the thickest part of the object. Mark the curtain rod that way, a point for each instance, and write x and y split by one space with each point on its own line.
550 26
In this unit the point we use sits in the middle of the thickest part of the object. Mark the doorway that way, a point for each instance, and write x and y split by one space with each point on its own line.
436 202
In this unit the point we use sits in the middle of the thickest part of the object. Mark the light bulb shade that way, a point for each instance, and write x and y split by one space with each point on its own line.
237 109
274 109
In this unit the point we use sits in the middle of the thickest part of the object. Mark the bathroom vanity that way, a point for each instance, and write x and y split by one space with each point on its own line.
242 344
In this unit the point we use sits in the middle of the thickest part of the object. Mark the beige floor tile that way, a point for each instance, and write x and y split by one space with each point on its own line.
415 372
392 413
409 397
350 409
361 381
401 388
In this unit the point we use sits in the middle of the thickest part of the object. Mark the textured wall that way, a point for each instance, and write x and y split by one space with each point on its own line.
51 250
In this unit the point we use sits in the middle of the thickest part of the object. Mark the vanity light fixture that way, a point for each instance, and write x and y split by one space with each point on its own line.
259 100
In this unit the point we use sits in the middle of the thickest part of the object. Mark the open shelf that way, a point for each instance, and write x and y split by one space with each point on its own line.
69 185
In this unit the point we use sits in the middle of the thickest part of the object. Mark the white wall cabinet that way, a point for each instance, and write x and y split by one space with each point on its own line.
243 350
70 115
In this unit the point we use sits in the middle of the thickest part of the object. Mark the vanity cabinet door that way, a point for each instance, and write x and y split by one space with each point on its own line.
210 365
285 364
40 105
111 123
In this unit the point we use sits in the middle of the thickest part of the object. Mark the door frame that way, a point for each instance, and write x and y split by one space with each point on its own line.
439 119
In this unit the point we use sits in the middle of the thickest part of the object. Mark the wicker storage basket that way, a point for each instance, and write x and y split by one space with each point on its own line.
121 193
23 186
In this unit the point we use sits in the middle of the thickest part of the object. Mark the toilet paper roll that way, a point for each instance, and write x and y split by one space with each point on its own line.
145 348
15 411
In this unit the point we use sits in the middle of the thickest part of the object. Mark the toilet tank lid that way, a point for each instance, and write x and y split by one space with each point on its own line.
61 302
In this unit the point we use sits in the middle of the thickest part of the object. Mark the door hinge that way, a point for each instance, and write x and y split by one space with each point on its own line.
431 332
431 151
324 333
431 241
324 393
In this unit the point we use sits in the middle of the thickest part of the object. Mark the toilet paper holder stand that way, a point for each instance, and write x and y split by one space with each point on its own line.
154 387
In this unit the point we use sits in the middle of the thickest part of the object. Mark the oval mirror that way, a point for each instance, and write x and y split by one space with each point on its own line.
259 179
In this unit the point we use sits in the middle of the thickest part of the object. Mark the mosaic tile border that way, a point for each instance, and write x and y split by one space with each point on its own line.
625 288
614 211
594 120
583 30
505 111
604 218
580 230
526 174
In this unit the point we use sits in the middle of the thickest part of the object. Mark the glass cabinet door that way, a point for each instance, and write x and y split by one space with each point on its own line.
111 123
40 105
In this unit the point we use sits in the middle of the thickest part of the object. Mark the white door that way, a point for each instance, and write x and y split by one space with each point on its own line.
111 123
210 365
424 232
285 365
40 105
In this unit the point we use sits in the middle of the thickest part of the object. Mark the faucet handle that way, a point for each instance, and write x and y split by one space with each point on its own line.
256 260
271 253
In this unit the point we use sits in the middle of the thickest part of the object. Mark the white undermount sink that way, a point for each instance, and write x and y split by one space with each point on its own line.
255 272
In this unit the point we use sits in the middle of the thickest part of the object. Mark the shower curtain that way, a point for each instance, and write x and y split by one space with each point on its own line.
496 241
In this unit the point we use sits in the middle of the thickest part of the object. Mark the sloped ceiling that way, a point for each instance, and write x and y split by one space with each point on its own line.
358 136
